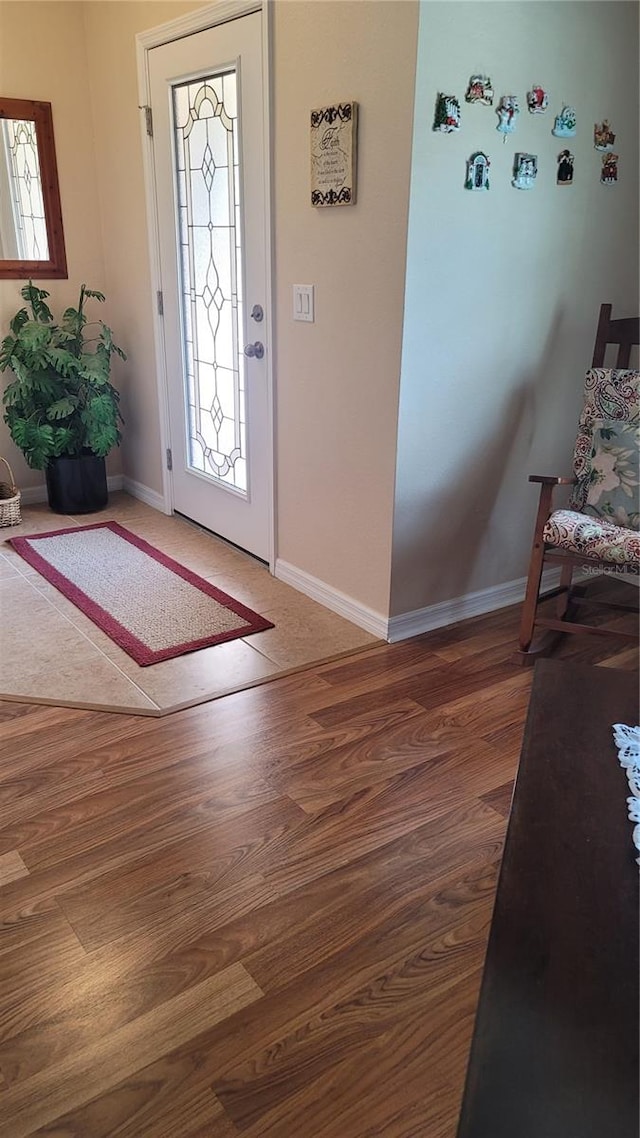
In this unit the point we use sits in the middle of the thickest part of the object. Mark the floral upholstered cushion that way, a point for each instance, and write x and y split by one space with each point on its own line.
593 537
608 483
610 394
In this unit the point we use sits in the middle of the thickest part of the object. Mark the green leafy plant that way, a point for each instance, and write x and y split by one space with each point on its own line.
61 400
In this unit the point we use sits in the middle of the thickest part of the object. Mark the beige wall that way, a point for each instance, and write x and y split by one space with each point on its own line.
111 28
504 288
43 56
337 379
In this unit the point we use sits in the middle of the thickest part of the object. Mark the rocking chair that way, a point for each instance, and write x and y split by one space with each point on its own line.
599 529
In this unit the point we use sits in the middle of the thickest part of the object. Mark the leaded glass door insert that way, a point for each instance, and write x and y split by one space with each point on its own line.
210 267
209 153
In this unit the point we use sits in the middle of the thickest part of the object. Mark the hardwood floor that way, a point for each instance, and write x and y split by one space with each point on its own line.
263 916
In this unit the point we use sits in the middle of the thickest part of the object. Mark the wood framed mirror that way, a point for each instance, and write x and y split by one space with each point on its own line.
31 232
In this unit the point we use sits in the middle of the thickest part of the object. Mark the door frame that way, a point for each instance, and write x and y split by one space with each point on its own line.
199 20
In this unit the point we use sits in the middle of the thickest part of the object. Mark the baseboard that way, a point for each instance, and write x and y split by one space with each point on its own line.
409 623
144 494
34 495
340 603
461 608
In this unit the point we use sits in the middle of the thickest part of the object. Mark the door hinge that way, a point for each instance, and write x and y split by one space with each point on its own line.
148 119
160 303
169 459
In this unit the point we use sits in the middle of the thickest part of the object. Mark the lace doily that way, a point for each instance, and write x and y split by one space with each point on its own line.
627 740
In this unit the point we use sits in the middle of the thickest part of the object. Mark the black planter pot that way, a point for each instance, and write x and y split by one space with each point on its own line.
77 484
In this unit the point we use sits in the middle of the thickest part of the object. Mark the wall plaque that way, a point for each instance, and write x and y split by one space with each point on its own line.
333 154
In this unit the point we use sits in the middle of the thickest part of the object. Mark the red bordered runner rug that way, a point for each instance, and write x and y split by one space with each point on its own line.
147 603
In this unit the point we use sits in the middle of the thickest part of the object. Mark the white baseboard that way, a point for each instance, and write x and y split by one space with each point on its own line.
409 624
340 603
461 608
33 495
144 494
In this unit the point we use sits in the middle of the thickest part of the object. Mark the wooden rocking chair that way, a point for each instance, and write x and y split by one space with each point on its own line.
596 532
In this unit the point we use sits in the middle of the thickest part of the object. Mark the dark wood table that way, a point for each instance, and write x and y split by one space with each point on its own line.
555 1047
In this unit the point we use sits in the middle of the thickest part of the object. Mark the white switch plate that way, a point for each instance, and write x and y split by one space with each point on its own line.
303 303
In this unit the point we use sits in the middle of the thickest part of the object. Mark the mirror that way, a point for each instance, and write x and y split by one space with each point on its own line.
31 234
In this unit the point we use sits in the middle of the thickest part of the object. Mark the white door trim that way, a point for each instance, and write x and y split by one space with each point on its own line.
196 21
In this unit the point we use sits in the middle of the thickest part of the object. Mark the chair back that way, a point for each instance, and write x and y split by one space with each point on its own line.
606 459
622 333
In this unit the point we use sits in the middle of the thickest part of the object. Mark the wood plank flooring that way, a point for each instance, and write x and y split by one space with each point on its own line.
265 916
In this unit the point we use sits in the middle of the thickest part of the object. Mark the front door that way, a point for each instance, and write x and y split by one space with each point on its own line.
208 145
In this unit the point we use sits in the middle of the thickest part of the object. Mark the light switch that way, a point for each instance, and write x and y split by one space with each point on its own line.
303 306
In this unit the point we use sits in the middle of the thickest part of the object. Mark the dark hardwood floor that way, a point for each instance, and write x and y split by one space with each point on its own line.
264 916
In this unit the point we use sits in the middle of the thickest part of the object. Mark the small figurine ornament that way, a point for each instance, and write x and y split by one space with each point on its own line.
537 100
603 136
480 90
447 117
477 172
609 172
565 168
565 124
525 171
507 112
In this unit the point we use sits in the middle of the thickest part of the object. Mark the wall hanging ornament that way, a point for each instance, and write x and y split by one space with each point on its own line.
507 111
525 171
477 172
333 141
565 124
537 100
603 136
565 168
447 117
480 90
609 172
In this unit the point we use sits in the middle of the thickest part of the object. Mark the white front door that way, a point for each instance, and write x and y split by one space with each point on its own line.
209 157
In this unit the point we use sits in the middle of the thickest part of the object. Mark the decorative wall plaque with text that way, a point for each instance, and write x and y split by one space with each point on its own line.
333 154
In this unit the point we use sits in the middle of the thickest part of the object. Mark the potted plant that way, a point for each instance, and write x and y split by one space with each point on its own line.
61 408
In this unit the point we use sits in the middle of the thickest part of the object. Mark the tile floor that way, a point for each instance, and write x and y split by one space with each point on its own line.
52 652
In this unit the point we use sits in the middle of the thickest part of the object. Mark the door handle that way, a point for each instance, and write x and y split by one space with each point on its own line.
254 351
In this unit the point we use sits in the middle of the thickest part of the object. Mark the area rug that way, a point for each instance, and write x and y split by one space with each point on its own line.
147 603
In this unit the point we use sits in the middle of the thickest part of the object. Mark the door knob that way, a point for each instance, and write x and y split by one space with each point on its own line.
254 350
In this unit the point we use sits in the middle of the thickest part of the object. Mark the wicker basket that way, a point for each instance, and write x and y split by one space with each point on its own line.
9 500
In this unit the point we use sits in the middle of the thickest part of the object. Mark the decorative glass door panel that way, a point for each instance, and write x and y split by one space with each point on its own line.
209 159
208 197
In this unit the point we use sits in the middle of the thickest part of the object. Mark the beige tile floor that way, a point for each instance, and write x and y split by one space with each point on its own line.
52 653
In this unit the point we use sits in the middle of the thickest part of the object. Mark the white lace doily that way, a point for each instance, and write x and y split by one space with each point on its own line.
627 740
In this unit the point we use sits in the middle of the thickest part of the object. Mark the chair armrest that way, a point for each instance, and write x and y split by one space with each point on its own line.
552 480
